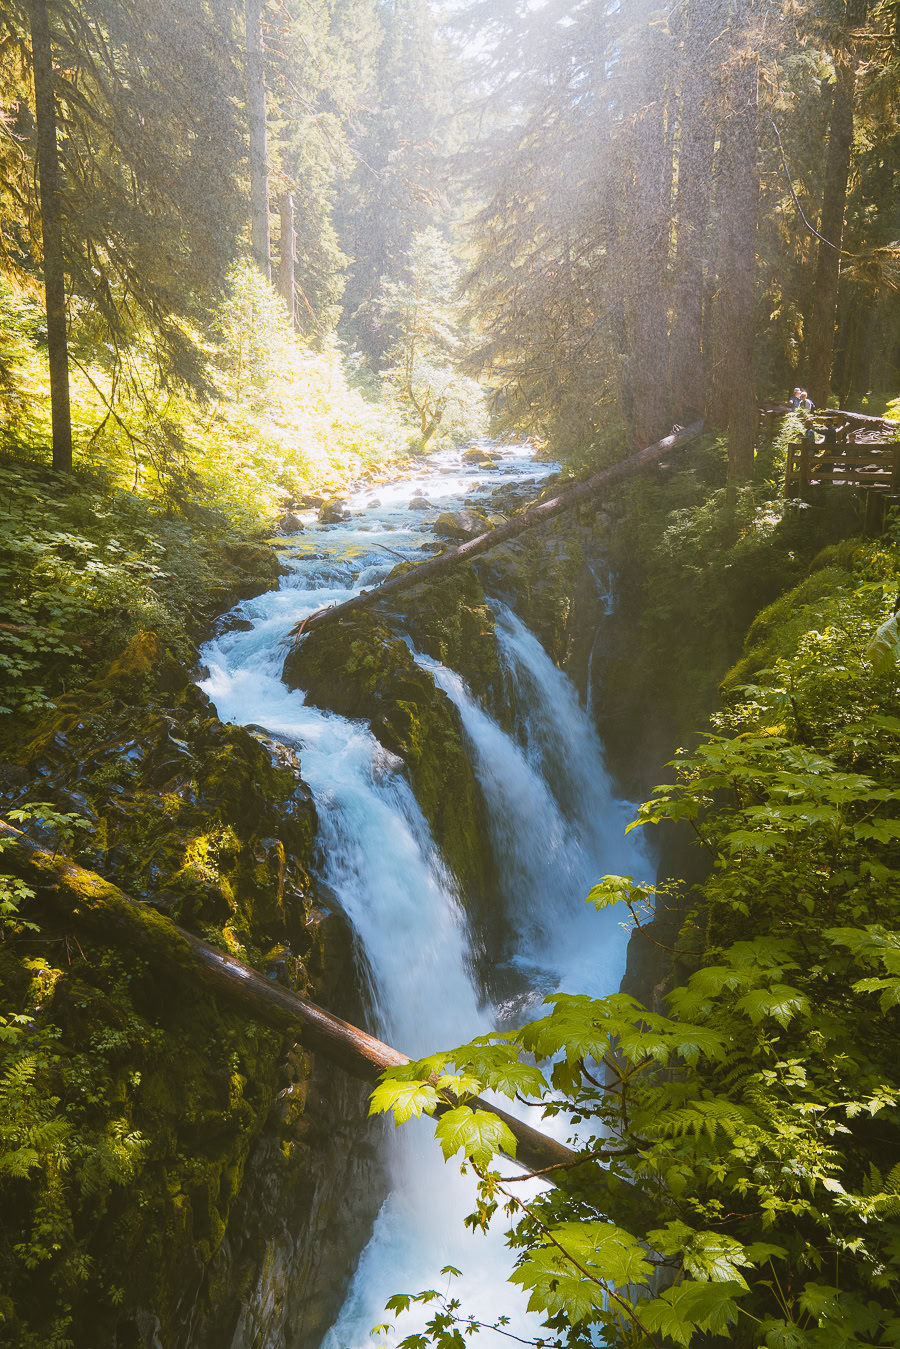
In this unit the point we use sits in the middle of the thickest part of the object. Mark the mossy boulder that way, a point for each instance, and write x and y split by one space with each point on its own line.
360 668
165 1092
450 620
460 525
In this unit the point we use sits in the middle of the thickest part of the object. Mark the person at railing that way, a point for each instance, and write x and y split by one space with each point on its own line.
800 401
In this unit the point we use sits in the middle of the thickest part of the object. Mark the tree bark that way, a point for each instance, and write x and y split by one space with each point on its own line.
695 160
286 258
823 309
259 165
99 905
733 386
534 515
644 243
51 232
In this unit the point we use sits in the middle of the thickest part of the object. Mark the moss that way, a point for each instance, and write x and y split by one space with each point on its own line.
449 620
214 826
361 669
776 629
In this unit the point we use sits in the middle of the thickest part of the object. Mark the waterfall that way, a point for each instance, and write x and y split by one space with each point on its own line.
555 828
555 825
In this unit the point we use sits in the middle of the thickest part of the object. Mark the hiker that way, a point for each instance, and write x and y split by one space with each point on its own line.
829 434
809 435
795 400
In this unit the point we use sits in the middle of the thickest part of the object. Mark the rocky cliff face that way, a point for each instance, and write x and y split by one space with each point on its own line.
228 1220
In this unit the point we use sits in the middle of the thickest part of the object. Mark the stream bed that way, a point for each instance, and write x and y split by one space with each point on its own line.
554 828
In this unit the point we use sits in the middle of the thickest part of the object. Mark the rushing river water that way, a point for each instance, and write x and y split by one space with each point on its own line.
555 827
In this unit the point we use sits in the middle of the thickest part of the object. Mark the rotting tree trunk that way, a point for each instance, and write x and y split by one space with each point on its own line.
286 255
823 309
534 515
256 115
51 232
99 905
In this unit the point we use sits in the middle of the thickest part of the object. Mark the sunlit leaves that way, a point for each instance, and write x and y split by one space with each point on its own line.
689 1307
478 1134
405 1100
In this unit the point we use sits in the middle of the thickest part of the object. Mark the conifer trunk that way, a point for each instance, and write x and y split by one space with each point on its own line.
732 394
51 231
823 309
695 160
286 258
646 223
259 167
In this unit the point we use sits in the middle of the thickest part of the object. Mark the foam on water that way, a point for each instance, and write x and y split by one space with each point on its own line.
555 827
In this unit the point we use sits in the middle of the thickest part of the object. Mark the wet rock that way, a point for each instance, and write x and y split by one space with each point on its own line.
373 504
290 524
362 669
420 504
232 622
310 501
333 513
473 456
464 524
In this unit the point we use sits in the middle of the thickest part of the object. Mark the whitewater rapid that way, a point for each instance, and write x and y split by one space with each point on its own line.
555 828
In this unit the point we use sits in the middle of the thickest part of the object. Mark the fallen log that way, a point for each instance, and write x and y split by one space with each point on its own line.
533 515
861 418
99 905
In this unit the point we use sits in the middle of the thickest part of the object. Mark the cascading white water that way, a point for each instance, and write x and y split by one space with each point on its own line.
556 827
545 796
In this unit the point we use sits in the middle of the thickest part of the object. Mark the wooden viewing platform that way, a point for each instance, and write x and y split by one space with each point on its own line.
874 466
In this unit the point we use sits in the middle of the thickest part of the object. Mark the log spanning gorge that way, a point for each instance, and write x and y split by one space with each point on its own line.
437 963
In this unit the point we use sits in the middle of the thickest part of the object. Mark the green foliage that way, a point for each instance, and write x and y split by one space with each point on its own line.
422 319
738 1172
13 890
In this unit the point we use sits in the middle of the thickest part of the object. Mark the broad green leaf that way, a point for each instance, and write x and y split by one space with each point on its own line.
405 1099
476 1133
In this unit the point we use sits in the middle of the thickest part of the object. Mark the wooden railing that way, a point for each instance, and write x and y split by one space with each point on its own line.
875 467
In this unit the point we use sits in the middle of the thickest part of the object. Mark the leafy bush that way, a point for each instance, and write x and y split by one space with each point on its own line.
740 1176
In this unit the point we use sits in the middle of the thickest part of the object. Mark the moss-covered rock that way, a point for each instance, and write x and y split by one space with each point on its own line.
163 1094
776 629
361 669
449 619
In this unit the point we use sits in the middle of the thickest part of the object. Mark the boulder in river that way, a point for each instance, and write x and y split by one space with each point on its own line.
373 504
310 501
333 512
473 456
290 523
464 524
420 504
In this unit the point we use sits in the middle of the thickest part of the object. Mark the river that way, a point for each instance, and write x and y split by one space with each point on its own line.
554 824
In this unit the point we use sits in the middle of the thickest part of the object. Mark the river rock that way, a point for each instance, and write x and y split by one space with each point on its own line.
420 504
310 501
333 513
290 524
473 456
373 504
464 524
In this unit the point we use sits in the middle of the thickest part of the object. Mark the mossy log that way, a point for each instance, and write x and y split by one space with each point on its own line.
96 903
528 519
